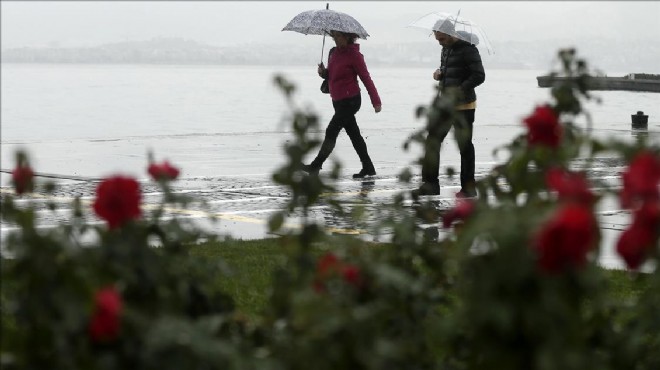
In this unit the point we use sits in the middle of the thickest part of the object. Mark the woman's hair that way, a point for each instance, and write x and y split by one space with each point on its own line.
351 37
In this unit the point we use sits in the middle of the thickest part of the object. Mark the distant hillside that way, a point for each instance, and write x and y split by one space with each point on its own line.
159 50
603 54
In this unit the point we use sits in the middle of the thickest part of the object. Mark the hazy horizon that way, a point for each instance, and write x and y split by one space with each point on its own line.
230 23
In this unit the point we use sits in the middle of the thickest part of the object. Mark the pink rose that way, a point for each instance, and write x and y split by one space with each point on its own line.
463 210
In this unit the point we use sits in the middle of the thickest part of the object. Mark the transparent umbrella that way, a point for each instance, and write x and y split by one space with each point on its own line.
456 26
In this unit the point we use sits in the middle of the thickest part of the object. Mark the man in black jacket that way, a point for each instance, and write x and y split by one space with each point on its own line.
460 70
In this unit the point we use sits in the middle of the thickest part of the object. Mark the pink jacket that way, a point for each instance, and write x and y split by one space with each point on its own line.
344 65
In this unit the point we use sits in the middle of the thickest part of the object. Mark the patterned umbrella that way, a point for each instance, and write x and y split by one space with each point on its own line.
320 22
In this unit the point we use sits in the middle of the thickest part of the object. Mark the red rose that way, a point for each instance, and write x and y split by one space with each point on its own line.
330 267
565 240
636 242
634 245
104 324
464 208
543 127
641 180
648 216
351 274
22 177
164 171
118 200
327 265
570 186
319 287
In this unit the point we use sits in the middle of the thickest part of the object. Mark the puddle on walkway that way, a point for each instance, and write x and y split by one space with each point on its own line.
236 189
241 206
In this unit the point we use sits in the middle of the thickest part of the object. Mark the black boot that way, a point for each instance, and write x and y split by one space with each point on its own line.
427 188
311 169
364 173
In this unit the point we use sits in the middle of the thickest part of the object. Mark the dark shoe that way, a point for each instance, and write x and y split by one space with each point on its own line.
364 173
311 169
427 188
466 194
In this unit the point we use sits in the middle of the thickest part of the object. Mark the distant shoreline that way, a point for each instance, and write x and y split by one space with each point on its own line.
229 65
176 51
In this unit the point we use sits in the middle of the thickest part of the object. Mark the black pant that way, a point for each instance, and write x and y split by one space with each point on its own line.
463 136
344 117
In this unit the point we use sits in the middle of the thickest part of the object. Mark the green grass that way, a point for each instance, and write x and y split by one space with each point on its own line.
625 285
253 261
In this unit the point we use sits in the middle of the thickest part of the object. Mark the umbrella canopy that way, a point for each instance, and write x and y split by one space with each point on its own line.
320 22
455 26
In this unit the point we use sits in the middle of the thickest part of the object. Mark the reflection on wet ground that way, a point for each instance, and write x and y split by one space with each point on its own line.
241 206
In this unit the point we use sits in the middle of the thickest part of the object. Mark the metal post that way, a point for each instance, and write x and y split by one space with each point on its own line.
640 121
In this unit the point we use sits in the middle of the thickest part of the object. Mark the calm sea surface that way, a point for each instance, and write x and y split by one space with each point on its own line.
89 120
54 102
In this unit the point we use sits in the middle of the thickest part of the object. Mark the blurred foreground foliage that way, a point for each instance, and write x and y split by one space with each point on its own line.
513 284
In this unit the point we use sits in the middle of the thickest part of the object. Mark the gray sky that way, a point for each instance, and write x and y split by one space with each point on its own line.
220 23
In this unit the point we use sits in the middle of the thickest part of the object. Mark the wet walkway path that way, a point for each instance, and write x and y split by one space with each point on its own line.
241 206
242 197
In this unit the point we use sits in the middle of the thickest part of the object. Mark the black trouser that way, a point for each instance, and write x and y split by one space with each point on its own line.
344 117
463 136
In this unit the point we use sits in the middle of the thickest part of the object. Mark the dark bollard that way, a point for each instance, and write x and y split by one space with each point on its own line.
640 120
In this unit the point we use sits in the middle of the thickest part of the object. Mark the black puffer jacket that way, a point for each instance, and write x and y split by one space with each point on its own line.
461 67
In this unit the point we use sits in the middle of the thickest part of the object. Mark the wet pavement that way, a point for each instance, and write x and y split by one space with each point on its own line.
239 200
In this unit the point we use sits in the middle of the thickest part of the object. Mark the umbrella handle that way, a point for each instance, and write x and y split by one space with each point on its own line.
327 6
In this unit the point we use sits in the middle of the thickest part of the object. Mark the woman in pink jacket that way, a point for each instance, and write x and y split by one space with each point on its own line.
345 64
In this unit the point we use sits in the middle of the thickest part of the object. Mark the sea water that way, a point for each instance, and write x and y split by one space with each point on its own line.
91 119
232 121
